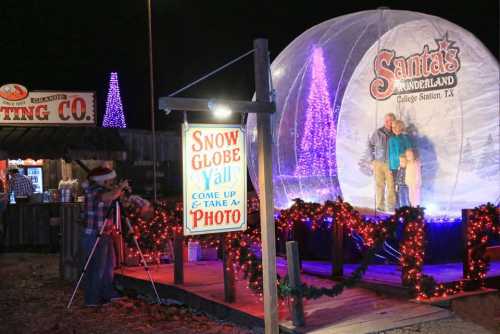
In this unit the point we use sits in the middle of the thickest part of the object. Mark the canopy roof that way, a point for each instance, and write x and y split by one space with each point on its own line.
74 143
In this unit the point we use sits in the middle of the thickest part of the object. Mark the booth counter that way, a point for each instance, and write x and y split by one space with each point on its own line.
36 226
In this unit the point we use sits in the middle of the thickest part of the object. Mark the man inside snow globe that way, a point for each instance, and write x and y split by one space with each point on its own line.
379 155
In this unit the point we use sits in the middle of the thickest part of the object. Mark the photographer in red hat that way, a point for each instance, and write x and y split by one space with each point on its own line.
100 196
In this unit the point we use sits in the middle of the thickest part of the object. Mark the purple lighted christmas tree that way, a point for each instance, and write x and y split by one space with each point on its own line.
316 153
114 118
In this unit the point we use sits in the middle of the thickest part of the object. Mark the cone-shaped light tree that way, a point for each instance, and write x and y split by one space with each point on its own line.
316 153
114 117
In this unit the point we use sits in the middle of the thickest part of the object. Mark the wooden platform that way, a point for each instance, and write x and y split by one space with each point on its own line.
357 310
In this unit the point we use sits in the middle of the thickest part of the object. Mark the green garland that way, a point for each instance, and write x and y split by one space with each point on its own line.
313 292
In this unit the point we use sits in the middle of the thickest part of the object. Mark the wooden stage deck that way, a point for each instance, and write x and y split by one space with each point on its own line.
357 310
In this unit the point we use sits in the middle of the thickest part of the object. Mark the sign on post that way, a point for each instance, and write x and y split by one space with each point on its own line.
20 107
215 178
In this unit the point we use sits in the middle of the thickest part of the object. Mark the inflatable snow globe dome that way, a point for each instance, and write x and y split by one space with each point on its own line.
335 83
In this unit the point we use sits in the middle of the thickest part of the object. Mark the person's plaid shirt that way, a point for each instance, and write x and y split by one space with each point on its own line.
21 185
95 208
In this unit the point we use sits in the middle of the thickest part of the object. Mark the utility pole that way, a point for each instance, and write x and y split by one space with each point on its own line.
152 98
264 142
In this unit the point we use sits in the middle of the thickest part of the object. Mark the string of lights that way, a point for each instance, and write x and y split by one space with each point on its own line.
316 149
243 248
114 117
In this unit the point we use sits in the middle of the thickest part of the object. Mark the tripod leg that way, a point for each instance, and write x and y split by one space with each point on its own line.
119 238
146 268
86 265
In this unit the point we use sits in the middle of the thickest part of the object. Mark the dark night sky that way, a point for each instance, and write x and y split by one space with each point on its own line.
73 45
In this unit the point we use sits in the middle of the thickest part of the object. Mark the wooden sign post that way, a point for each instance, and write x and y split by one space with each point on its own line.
264 142
264 108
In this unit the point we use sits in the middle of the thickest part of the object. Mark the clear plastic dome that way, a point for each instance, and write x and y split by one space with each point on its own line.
336 81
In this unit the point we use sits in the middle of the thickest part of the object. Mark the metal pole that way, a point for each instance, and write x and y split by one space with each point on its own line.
152 97
264 140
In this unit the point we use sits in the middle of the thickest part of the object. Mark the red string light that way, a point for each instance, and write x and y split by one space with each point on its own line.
154 234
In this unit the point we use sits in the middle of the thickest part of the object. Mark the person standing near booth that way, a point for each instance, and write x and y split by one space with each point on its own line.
100 196
20 185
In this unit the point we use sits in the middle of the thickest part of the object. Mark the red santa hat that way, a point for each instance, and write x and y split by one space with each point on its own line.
101 174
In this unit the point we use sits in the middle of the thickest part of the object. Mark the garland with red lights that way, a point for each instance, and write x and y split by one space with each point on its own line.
313 292
323 216
242 247
154 234
245 261
482 221
412 246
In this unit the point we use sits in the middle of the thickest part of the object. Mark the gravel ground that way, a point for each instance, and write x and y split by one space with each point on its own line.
453 325
33 300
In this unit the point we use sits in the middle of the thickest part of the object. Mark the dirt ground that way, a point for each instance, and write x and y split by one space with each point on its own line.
33 300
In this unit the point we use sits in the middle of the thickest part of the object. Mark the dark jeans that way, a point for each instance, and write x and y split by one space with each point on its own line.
402 196
98 283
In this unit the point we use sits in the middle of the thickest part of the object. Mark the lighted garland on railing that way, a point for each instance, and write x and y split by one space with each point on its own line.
338 212
241 249
245 261
154 233
412 247
300 213
324 216
481 221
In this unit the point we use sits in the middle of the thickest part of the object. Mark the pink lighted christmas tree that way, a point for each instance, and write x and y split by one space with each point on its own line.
114 118
316 153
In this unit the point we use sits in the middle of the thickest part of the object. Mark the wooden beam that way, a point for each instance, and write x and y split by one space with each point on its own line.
82 165
191 104
178 259
465 249
337 250
292 259
264 144
227 265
